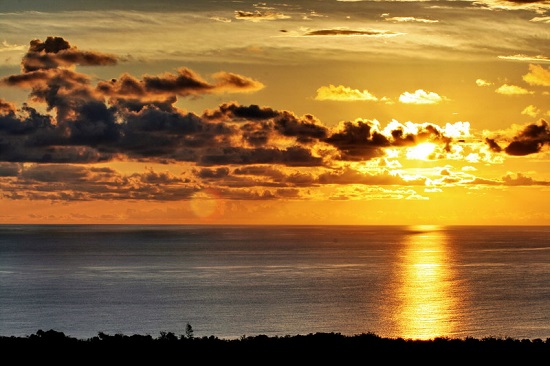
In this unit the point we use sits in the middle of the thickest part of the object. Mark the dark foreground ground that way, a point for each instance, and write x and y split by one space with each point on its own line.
319 348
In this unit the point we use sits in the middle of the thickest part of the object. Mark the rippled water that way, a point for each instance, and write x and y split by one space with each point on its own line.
229 281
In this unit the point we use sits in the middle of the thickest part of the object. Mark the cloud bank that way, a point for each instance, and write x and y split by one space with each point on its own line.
245 151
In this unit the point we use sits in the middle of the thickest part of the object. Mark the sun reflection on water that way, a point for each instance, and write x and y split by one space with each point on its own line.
426 297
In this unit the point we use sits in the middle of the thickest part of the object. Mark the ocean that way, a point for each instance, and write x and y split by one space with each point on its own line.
412 282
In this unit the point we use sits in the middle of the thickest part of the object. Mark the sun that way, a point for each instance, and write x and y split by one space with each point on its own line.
421 151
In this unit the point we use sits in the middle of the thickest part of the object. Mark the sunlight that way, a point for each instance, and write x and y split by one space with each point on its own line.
427 298
421 151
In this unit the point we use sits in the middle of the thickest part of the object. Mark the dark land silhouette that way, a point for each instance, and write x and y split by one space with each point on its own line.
364 348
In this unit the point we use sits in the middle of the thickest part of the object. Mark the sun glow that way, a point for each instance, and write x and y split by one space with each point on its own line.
421 151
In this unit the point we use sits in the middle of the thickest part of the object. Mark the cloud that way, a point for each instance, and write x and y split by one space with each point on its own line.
545 19
81 183
410 20
221 19
260 123
347 176
9 169
247 151
531 111
421 97
530 139
6 47
258 16
481 82
72 95
56 52
358 140
537 75
522 57
534 5
343 93
235 83
184 83
6 107
522 180
207 173
510 180
507 89
351 33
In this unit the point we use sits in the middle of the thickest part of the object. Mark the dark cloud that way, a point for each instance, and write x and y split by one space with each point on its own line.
522 180
246 151
234 111
162 88
163 178
139 120
292 156
530 140
207 173
426 132
81 183
259 15
56 52
305 130
510 180
358 141
260 122
9 169
348 32
58 173
260 170
493 145
6 107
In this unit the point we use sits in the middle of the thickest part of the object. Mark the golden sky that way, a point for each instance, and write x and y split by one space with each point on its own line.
305 112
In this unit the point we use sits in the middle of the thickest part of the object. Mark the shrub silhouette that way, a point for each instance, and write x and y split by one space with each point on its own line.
55 346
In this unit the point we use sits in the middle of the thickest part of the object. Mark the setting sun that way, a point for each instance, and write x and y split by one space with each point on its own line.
423 151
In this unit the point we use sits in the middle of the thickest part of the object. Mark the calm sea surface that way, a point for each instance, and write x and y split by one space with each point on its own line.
230 281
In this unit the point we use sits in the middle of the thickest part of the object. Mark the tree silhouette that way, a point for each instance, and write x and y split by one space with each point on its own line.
189 331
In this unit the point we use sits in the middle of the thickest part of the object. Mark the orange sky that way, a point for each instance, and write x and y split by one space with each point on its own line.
310 112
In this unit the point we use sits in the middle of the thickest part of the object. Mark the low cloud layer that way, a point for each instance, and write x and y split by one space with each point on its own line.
246 151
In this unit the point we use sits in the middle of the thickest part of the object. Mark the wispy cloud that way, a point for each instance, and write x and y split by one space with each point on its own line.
350 33
534 5
541 19
527 58
258 16
410 20
6 46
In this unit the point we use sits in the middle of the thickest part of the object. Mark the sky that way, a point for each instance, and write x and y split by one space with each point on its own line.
326 112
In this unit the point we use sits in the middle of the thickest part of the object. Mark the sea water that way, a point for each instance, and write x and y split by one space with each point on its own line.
416 282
